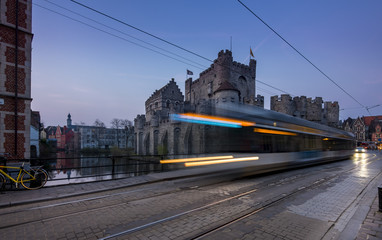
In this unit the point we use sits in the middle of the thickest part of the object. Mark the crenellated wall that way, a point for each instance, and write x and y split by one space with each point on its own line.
307 108
225 81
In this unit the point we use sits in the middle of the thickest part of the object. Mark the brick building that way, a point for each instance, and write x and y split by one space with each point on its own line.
15 77
357 127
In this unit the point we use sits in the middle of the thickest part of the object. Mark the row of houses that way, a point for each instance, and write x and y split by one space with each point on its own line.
79 137
366 129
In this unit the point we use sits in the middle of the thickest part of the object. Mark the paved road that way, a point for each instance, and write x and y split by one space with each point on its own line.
334 201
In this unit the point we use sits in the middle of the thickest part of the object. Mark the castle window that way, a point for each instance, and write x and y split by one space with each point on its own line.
242 79
209 88
224 99
156 104
232 99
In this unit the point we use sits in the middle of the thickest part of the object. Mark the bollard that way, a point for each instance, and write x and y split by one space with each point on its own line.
380 198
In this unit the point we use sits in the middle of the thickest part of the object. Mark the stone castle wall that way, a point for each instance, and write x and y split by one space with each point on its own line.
314 110
224 81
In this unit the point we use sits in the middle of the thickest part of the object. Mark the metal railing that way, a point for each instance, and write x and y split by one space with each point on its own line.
70 170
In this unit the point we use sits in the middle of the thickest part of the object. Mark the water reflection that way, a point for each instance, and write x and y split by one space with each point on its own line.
67 169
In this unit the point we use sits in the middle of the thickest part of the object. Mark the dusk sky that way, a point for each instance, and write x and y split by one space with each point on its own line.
92 70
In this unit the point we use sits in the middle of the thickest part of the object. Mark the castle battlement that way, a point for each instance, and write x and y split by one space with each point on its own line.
207 70
307 108
224 81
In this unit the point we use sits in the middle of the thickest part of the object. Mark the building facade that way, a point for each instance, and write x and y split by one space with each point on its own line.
357 127
77 137
225 81
314 110
35 134
15 77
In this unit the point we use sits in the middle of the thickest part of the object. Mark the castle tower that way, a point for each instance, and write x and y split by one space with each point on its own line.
222 66
242 77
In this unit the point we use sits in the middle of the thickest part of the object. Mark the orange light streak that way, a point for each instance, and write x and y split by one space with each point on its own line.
193 164
260 130
242 123
194 159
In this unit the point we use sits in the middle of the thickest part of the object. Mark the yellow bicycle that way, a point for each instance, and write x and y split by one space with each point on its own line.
34 178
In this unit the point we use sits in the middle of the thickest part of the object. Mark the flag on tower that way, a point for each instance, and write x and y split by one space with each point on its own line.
250 51
189 72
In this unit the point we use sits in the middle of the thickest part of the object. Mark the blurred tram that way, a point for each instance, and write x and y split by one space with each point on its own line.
254 139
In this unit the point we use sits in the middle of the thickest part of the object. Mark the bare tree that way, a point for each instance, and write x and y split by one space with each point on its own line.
126 124
99 130
116 124
99 123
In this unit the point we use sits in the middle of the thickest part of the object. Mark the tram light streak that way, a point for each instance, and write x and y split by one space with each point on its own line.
211 120
202 163
181 160
269 131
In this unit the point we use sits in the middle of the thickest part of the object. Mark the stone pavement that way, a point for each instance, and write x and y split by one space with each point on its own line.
372 225
366 223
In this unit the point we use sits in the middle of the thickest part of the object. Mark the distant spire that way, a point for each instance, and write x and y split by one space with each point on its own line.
69 121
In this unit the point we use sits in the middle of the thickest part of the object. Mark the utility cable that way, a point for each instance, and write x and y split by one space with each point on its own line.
90 19
139 39
302 54
274 87
152 35
140 30
114 35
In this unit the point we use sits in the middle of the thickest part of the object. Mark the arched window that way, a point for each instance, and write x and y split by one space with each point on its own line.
176 140
156 142
242 79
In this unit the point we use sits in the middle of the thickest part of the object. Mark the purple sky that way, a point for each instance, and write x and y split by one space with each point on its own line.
93 75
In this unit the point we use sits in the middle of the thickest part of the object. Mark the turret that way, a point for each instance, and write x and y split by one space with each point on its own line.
69 121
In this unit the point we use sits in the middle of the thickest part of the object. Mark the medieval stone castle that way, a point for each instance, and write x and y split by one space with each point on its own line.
225 81
307 108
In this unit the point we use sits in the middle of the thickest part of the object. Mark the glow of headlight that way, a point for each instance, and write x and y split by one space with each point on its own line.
211 120
181 160
202 163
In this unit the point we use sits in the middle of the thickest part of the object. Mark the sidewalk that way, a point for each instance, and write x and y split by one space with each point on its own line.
372 224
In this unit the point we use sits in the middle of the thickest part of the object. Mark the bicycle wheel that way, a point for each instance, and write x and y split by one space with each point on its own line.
2 182
34 179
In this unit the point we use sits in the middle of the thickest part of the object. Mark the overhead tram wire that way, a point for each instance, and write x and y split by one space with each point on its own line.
274 87
163 40
265 91
122 38
142 31
302 55
90 19
88 25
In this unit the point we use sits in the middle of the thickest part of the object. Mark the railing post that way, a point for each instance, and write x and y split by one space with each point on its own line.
380 198
113 168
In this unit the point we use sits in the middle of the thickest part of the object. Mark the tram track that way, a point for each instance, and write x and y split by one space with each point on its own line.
248 213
